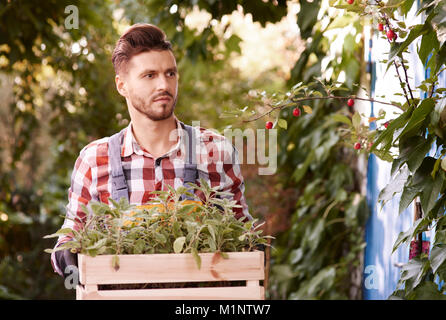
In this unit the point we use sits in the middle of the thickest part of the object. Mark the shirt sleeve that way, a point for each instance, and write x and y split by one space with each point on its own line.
234 182
79 192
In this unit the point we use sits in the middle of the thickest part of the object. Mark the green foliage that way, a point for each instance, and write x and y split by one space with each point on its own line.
317 256
171 226
323 247
413 132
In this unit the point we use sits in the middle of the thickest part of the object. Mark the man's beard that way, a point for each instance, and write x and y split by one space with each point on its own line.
149 111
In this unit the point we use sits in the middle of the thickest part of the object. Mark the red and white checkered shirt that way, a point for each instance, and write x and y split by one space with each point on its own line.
217 162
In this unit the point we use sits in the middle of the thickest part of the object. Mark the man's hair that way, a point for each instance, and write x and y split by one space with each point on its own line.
140 37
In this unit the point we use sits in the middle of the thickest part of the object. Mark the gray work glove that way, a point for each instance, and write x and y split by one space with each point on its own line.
65 258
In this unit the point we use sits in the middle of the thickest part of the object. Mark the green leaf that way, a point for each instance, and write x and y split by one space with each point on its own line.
283 272
349 45
412 151
186 208
211 231
440 58
282 123
436 167
356 121
418 226
415 32
197 257
160 237
437 256
307 17
323 280
412 271
443 163
307 109
139 247
386 137
409 193
383 155
430 194
59 248
315 234
430 187
98 244
428 290
233 43
178 244
405 7
115 262
429 42
340 21
349 7
352 69
301 169
58 233
395 186
419 115
296 255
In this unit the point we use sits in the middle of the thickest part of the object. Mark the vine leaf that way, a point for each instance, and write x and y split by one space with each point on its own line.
419 115
395 186
438 257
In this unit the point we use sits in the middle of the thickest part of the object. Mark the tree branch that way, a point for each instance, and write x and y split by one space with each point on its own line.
318 98
407 78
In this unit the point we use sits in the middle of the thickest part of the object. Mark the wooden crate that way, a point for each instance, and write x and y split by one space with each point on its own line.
169 268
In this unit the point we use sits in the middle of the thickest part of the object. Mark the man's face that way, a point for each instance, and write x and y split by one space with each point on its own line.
151 84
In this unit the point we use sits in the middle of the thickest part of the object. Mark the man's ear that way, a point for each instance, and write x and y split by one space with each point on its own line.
121 85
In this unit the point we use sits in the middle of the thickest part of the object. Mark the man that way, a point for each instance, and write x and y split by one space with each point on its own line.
152 150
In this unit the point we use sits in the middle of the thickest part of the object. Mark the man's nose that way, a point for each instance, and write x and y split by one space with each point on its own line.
163 83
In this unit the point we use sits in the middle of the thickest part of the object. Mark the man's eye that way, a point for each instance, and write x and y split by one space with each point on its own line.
172 74
150 75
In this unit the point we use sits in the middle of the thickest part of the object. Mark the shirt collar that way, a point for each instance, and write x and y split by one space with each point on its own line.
130 145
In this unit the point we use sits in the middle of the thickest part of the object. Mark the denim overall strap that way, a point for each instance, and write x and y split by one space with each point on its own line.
190 165
119 184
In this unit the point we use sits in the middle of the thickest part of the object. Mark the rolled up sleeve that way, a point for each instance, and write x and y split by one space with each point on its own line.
79 193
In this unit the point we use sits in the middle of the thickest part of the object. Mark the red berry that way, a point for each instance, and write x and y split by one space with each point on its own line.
296 112
390 34
395 36
350 1
350 102
380 27
357 146
386 124
269 125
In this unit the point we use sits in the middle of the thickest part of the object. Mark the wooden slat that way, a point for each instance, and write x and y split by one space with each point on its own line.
214 293
252 283
160 268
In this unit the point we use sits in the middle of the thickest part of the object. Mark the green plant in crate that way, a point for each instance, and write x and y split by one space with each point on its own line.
165 224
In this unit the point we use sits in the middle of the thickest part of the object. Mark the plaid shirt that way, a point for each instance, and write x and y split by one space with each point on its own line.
217 162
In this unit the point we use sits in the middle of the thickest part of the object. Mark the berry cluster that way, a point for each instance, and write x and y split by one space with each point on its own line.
297 113
391 35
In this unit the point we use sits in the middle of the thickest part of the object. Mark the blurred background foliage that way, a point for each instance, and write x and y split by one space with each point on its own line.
57 94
